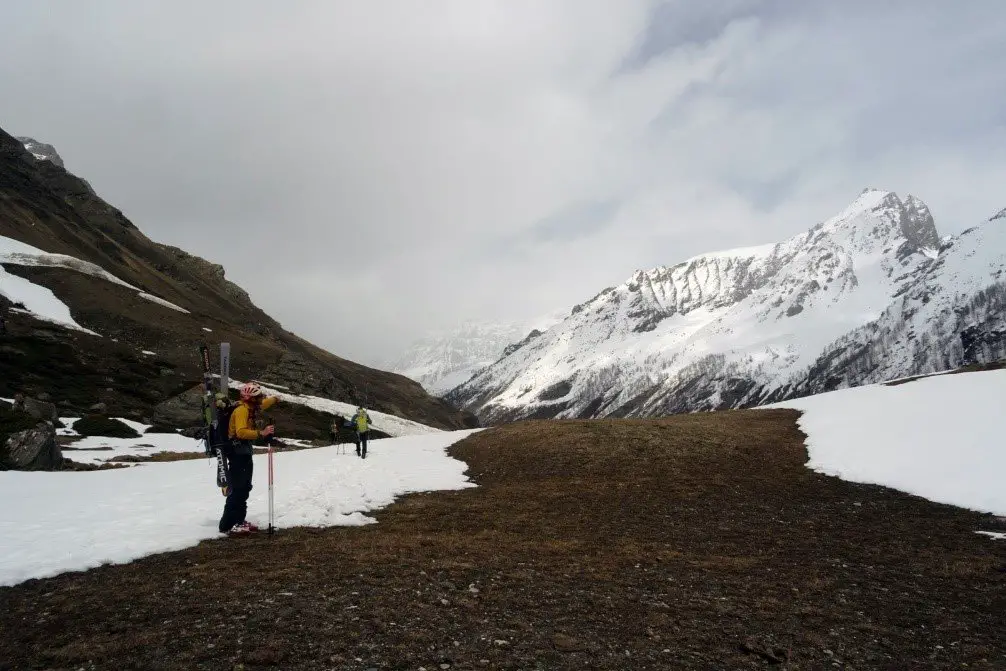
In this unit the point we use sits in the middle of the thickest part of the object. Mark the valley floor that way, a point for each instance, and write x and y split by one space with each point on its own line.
693 542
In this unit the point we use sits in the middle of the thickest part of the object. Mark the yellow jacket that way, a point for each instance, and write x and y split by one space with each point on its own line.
362 421
242 425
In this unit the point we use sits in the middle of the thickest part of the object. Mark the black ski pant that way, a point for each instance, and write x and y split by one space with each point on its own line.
361 439
239 478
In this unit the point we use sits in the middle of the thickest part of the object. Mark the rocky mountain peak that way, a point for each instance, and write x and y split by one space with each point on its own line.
917 224
876 220
41 150
1000 215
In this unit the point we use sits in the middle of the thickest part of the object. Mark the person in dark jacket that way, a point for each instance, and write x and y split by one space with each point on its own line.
242 434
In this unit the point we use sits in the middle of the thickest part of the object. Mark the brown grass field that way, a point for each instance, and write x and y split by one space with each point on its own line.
693 542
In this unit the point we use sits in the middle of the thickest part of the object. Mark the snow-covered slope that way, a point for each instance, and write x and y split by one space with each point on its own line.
39 300
939 437
443 360
951 315
76 521
733 328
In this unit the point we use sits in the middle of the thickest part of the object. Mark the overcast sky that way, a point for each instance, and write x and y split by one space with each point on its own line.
372 169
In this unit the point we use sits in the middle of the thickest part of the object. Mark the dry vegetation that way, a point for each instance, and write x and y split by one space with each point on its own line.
695 542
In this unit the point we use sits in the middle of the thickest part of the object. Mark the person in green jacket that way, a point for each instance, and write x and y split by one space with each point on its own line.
361 422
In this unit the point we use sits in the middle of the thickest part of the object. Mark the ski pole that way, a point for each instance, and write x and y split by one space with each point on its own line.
271 528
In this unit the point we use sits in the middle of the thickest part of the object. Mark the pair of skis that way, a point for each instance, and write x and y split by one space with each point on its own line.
211 413
212 418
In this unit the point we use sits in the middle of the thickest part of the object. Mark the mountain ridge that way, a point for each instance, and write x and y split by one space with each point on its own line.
725 329
443 359
44 206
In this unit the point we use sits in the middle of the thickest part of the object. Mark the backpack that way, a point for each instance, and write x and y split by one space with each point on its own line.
221 425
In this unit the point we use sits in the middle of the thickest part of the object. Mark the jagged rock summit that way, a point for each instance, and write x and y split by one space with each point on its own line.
41 150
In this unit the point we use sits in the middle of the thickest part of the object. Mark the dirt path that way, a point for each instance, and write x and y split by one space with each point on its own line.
695 542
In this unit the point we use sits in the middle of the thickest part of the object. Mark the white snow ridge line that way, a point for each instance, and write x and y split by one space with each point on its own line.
19 253
161 301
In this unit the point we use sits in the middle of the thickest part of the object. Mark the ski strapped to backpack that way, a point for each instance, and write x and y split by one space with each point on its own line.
212 416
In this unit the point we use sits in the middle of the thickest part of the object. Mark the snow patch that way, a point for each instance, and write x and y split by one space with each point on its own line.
38 301
162 302
100 449
19 253
271 385
22 254
939 437
111 447
79 520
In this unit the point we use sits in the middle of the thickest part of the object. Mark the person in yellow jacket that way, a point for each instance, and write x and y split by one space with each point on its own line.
242 434
361 422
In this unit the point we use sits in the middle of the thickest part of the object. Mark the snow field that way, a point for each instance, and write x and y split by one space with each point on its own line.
75 521
939 437
99 449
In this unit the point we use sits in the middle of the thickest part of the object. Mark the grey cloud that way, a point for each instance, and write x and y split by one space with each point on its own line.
576 221
369 171
673 25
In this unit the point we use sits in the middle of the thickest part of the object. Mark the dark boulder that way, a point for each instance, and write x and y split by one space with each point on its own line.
38 409
185 409
34 449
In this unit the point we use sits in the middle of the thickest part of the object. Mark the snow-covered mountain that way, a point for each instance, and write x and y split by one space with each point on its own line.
859 297
445 359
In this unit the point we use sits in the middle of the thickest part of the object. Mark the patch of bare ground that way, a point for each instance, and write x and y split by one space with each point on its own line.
695 542
167 455
71 465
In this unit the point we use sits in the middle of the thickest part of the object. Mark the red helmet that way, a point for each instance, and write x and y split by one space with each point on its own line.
250 391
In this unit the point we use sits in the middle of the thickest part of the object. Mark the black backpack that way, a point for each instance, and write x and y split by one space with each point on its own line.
221 425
